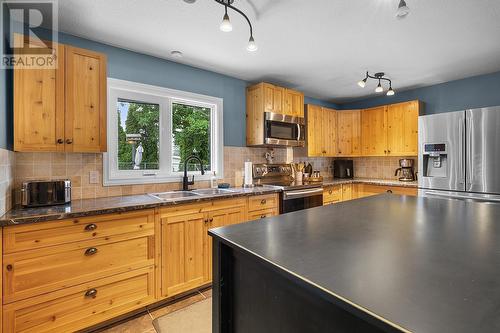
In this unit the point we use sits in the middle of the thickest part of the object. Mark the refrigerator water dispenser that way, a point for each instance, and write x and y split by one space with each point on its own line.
435 160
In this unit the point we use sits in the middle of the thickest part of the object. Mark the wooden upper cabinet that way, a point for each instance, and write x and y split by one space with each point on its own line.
273 98
265 97
321 131
349 133
39 106
402 128
373 131
294 103
85 129
62 109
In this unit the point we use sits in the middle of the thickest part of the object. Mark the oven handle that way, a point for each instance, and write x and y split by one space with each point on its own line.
289 195
298 130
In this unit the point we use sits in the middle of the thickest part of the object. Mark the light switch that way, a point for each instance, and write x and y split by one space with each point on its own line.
94 177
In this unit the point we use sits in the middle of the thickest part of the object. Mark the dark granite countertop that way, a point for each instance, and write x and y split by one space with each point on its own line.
89 207
371 181
419 264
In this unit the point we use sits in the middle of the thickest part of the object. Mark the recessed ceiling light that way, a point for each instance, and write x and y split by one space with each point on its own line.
190 1
403 9
176 54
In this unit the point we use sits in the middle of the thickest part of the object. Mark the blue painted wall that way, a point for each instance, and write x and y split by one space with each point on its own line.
473 92
6 123
133 66
310 100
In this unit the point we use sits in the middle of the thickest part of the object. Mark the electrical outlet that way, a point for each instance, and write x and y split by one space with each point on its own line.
94 177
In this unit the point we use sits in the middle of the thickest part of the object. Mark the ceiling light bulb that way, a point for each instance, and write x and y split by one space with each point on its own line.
252 46
379 88
226 25
403 9
390 92
362 83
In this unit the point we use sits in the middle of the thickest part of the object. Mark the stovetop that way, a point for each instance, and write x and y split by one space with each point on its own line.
280 175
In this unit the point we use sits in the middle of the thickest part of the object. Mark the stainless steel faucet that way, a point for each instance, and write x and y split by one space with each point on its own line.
185 180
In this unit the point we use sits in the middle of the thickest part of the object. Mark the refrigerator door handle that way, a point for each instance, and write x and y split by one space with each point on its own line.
469 165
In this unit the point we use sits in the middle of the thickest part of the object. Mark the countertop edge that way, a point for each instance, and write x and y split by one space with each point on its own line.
57 216
348 304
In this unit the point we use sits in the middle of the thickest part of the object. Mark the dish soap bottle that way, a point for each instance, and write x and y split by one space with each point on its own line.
213 181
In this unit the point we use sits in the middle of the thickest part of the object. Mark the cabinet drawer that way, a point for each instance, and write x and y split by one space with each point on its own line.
377 189
39 235
81 306
332 194
31 273
260 214
260 202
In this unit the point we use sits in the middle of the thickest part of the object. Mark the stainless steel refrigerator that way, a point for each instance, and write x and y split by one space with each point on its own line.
459 154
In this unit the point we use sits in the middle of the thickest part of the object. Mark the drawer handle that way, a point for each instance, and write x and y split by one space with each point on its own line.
90 227
92 293
90 251
263 201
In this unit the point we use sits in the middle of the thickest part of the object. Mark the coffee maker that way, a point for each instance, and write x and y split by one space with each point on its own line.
406 170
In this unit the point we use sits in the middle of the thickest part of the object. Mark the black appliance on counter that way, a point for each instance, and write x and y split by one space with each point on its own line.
343 169
45 193
295 195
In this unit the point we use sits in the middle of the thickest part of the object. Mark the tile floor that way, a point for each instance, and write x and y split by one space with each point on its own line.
144 323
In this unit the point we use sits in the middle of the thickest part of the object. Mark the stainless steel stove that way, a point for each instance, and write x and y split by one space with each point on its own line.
295 195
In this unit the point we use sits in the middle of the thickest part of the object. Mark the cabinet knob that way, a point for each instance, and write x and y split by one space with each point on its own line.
389 191
90 251
330 192
211 219
262 216
60 141
263 201
9 267
69 141
388 151
206 220
92 293
90 227
385 151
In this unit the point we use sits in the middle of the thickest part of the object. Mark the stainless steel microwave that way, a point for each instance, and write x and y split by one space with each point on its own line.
284 130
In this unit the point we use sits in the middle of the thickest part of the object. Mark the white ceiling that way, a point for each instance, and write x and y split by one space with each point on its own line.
321 47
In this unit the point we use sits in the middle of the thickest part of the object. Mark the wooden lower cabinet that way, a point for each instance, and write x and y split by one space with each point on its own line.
366 190
81 306
337 193
68 275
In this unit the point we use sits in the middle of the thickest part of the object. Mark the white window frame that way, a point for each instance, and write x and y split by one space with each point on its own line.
164 97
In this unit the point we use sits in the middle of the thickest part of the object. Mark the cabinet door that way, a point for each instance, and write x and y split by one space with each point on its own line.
349 133
346 192
402 129
183 256
329 123
85 129
220 218
273 98
39 106
294 103
315 131
373 131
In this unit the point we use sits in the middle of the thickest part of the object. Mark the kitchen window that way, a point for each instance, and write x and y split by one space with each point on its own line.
152 130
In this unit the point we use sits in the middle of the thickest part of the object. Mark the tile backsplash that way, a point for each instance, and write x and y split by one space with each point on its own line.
77 167
7 165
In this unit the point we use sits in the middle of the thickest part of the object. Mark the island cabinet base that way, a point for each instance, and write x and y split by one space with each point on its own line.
251 295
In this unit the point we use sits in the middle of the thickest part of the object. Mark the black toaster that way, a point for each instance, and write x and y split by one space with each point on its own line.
45 193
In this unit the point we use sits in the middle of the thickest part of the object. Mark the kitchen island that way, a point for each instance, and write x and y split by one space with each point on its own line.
384 263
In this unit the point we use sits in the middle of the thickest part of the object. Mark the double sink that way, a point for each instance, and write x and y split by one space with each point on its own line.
175 195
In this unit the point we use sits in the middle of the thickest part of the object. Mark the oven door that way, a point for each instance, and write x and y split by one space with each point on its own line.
284 130
294 200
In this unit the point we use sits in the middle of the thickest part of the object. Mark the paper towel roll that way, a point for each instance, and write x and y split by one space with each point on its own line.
248 174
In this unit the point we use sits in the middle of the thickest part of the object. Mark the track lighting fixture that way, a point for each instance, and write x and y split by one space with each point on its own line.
379 88
226 25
